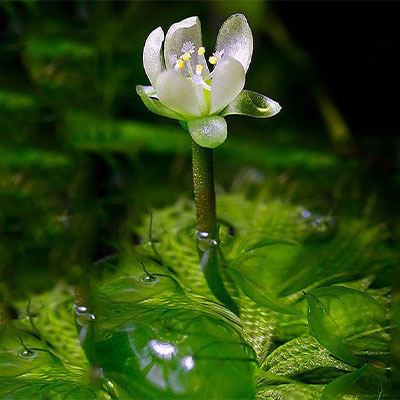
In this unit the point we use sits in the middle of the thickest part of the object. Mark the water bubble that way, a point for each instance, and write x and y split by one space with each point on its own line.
202 235
318 227
82 316
204 241
306 214
28 353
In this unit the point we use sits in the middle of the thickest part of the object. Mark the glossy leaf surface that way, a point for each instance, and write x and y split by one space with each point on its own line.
344 320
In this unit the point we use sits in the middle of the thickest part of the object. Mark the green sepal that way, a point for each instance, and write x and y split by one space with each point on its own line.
209 131
252 104
155 105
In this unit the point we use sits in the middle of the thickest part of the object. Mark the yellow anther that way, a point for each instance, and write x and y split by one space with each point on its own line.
187 56
201 51
199 69
213 60
180 64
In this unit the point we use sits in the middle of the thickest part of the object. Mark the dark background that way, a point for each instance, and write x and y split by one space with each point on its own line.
82 159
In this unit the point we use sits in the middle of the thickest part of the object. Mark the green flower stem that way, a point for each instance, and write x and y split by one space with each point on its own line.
204 194
207 229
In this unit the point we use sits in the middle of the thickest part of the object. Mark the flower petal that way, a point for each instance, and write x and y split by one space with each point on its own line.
187 30
227 83
177 92
153 60
252 104
208 131
154 105
236 39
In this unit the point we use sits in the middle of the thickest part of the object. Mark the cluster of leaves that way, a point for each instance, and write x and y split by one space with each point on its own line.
312 322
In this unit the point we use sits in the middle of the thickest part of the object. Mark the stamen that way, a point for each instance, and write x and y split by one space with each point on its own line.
199 69
187 56
201 51
218 54
212 60
179 65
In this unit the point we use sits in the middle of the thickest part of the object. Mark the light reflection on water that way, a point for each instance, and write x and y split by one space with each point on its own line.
163 350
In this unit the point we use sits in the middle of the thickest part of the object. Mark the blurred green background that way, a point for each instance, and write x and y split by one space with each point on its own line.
81 158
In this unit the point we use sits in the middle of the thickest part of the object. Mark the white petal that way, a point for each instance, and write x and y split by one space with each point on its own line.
153 60
177 93
226 84
236 39
179 33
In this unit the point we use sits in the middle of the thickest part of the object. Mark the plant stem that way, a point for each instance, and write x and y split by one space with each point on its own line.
207 230
204 194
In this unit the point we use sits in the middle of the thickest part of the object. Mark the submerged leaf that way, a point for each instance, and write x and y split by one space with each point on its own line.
301 355
162 344
365 383
263 270
348 322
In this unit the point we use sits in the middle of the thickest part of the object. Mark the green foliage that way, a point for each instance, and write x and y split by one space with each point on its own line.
80 166
344 320
365 383
156 300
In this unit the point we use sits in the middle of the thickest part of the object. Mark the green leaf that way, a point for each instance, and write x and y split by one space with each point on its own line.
290 391
208 131
167 345
40 356
262 271
210 264
365 383
252 104
301 355
348 322
154 105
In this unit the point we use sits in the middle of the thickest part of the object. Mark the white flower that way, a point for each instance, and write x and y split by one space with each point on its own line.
183 87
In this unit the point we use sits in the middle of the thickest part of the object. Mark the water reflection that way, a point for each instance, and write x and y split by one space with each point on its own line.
163 350
187 363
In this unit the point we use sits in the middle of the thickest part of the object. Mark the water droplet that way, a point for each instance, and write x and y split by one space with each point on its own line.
204 241
82 316
202 235
149 278
96 373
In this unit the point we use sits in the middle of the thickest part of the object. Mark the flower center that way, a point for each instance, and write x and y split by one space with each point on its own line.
198 73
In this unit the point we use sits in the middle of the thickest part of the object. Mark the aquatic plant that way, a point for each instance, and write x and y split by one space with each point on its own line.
184 89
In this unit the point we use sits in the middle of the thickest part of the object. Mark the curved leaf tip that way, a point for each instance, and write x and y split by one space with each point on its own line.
252 104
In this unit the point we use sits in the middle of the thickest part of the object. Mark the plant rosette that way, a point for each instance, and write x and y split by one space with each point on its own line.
183 87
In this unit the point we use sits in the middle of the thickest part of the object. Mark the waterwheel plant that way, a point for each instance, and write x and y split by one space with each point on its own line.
183 88
289 298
